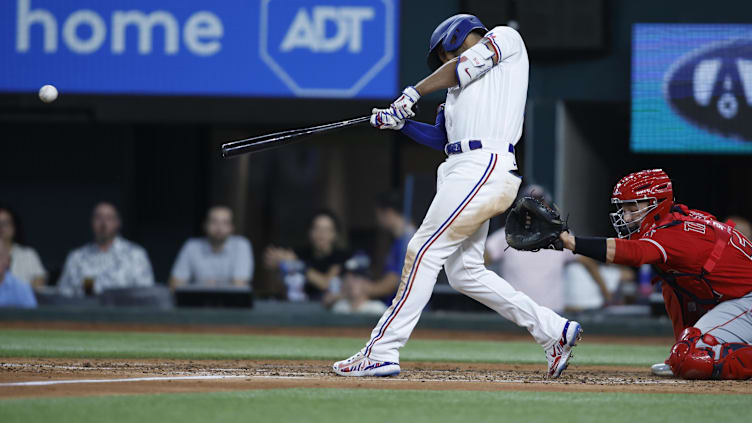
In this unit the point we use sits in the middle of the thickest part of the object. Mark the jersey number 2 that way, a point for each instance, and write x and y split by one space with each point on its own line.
741 243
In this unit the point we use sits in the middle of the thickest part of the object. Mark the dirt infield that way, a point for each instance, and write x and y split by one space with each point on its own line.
169 376
84 377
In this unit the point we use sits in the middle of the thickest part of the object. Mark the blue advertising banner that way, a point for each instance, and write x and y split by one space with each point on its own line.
258 48
691 88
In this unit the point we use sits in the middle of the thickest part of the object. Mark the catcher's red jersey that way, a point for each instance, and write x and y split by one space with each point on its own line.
703 262
687 240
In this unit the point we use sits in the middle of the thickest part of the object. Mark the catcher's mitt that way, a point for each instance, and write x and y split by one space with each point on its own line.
532 225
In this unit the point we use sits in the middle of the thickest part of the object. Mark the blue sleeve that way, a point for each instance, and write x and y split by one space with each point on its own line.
393 264
433 136
19 293
396 258
29 300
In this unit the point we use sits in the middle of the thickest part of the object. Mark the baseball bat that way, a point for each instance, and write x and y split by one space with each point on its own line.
280 139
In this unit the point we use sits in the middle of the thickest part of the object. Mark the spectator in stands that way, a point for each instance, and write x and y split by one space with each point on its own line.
390 217
540 275
13 291
354 297
25 263
583 292
742 225
320 261
108 262
219 259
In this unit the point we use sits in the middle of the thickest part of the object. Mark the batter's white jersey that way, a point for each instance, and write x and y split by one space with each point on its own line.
491 108
472 187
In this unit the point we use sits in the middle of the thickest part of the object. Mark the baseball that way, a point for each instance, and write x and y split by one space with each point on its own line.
48 93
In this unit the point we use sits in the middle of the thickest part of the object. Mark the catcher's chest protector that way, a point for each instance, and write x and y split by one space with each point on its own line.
690 286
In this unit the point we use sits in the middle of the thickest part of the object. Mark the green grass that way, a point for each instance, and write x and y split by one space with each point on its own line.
336 405
84 344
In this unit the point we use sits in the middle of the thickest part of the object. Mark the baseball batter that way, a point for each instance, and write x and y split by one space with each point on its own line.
486 75
706 267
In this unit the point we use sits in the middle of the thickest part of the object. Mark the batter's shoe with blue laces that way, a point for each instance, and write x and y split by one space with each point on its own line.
558 355
360 365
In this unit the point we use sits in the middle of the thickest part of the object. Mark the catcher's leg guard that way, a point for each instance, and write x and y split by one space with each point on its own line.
736 361
698 356
686 361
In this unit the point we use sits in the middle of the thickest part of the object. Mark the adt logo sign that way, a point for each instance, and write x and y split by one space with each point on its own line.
712 87
328 49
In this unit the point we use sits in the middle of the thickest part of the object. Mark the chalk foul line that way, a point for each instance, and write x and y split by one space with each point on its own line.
134 379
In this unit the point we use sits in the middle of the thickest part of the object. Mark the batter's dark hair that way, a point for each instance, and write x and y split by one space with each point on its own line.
18 237
391 200
328 213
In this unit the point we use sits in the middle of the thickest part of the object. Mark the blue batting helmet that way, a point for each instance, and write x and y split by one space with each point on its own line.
450 34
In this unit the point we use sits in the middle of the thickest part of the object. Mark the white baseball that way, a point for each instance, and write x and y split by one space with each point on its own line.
48 93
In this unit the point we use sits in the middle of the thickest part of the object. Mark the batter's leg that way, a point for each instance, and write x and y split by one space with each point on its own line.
470 189
468 192
456 201
467 274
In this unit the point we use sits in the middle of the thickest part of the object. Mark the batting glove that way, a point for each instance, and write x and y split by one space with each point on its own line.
386 119
403 106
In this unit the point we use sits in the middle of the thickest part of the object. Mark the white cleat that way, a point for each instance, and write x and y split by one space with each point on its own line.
360 365
558 355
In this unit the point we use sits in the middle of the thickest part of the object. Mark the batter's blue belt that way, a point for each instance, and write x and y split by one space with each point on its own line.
456 147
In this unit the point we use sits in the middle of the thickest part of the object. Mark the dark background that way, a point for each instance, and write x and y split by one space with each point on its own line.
157 158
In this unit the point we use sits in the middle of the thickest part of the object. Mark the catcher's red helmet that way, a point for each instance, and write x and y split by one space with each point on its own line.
652 186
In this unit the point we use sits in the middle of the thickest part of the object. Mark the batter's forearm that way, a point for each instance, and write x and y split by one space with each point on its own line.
443 78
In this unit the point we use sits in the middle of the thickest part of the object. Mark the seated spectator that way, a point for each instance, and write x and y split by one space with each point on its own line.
24 263
742 225
389 216
320 261
354 297
219 259
108 262
582 292
13 291
540 274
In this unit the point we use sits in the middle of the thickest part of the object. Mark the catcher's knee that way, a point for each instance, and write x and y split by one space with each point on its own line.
698 356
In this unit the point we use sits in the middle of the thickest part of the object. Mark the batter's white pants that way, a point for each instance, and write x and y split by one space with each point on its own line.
471 188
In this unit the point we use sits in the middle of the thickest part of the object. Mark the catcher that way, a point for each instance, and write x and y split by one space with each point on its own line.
706 267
